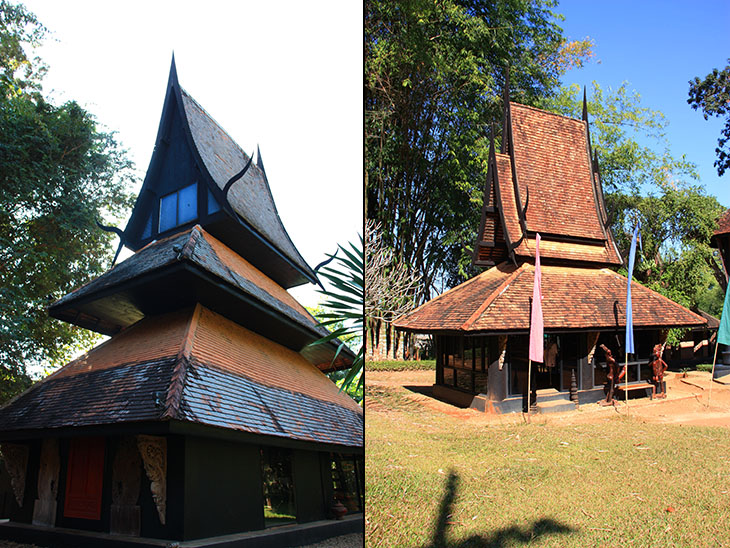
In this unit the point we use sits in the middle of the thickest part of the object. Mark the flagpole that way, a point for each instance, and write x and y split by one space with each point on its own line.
626 382
529 377
712 375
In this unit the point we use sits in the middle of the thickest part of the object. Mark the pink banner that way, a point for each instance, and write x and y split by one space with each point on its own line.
536 323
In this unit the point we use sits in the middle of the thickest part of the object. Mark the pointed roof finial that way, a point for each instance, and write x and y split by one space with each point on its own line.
259 161
585 105
173 71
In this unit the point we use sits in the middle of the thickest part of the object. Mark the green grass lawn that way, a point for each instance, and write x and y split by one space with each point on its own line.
435 480
421 365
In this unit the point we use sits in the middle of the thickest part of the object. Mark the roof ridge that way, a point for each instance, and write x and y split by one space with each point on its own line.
177 379
489 300
542 111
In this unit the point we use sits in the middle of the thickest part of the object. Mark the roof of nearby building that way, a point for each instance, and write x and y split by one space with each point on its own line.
498 300
193 366
723 224
110 302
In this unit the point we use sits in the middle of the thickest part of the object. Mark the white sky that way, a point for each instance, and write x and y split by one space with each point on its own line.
284 75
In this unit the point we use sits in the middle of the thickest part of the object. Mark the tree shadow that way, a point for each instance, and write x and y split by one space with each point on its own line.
496 539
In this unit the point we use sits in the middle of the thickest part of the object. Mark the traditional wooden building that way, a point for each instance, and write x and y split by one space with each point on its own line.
206 413
545 180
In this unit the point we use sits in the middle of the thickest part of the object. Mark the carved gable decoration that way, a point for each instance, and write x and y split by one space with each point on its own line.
154 456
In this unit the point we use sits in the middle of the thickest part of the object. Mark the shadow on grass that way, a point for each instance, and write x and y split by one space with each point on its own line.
496 539
428 391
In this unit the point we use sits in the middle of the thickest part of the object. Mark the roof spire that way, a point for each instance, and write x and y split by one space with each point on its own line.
259 161
585 105
505 117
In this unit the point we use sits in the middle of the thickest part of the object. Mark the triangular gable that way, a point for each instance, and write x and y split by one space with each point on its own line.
546 182
198 166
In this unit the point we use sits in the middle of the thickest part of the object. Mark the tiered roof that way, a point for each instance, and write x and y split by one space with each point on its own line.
544 181
192 366
191 267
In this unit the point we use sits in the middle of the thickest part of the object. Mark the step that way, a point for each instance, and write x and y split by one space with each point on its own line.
555 406
551 394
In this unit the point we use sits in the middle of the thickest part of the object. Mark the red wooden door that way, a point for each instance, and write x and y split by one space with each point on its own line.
84 478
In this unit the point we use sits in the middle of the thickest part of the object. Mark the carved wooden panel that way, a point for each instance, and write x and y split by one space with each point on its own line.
44 510
154 456
15 456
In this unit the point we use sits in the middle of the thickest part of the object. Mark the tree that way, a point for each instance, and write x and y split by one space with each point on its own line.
712 97
390 287
59 175
434 72
645 182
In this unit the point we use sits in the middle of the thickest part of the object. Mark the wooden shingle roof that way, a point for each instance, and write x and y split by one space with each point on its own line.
544 181
498 300
193 366
191 267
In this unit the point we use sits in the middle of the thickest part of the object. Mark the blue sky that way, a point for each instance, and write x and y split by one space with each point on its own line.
658 46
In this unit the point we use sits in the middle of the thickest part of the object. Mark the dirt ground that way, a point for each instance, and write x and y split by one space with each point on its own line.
686 402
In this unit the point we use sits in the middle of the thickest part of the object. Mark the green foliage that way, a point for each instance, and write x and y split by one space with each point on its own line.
434 73
344 305
629 137
19 29
643 181
706 367
712 96
410 365
59 175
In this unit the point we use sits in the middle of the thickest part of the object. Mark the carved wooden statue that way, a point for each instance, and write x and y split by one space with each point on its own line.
658 367
613 374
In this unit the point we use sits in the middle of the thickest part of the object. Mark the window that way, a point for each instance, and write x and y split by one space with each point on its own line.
179 207
348 481
213 205
279 505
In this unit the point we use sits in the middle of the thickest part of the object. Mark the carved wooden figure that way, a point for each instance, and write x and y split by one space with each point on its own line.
154 455
44 510
658 367
613 374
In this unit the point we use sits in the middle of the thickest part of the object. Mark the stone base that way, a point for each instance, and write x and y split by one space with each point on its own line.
44 512
124 520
